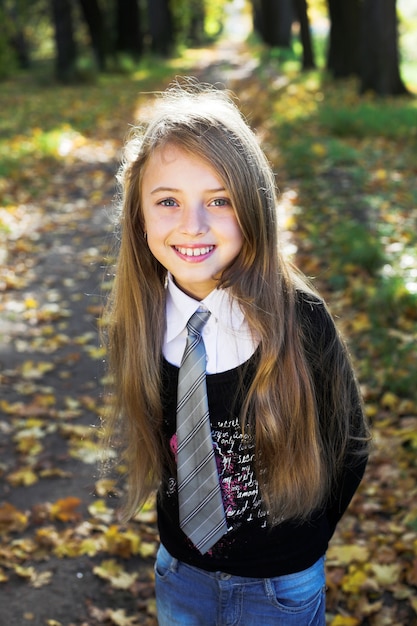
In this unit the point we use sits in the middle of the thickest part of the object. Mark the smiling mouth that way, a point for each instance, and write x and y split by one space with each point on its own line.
194 252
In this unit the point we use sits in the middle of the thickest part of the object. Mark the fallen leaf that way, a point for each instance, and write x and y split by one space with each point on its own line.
113 572
64 509
345 554
119 618
11 519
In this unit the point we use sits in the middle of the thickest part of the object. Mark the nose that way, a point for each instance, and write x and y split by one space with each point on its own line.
193 219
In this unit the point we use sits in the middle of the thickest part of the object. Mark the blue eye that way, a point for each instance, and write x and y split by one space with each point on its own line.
168 202
221 202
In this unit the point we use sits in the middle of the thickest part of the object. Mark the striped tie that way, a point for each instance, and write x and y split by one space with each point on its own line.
202 516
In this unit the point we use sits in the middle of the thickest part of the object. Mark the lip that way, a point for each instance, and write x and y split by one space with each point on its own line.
194 253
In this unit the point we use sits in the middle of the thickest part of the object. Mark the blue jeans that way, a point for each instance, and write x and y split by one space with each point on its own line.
189 596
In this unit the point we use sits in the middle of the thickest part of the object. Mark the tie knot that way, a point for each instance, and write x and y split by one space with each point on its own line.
197 321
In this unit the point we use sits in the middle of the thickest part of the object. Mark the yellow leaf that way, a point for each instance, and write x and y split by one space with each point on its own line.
29 446
113 572
361 322
91 546
123 544
31 303
101 511
390 401
354 581
40 579
24 572
11 519
344 620
345 554
32 370
94 352
64 509
85 451
386 574
147 549
119 618
105 486
71 548
24 476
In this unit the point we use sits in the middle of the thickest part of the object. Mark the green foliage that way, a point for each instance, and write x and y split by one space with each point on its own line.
8 63
185 12
352 161
369 118
354 244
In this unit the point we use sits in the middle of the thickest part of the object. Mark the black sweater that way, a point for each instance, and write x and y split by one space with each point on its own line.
251 547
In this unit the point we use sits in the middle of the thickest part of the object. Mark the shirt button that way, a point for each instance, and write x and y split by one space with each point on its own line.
224 576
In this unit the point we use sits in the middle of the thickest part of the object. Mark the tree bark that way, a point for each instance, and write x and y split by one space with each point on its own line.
129 37
380 60
160 26
196 28
94 19
66 52
305 33
343 58
275 20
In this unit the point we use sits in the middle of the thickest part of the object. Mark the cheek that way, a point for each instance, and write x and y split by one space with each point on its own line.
236 236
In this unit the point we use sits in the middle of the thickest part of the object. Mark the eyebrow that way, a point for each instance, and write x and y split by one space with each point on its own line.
174 190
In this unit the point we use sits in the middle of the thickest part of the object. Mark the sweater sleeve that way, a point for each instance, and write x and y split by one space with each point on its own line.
328 354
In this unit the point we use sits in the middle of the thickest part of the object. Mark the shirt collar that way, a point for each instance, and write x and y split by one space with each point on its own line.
180 307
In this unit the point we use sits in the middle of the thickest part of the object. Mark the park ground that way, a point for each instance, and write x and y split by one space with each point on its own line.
347 178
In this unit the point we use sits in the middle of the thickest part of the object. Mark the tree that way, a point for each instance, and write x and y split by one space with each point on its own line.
94 19
64 38
364 42
196 24
160 26
344 57
273 20
305 33
380 63
129 38
276 17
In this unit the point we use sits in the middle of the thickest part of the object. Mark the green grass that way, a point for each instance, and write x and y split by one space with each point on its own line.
352 160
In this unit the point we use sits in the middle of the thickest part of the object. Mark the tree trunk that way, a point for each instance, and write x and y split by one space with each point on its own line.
380 64
128 27
345 36
160 26
196 29
305 33
15 34
276 22
64 38
257 17
94 19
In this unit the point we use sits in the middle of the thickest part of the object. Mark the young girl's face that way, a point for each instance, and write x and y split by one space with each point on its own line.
190 222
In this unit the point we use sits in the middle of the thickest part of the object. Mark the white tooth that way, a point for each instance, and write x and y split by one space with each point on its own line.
195 251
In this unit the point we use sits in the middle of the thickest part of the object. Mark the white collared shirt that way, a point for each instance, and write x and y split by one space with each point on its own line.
226 335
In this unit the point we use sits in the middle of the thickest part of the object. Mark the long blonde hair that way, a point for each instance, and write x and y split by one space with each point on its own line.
297 459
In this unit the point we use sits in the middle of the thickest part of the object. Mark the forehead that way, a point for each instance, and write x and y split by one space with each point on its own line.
172 157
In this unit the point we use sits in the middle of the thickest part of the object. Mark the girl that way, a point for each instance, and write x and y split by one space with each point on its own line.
199 234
